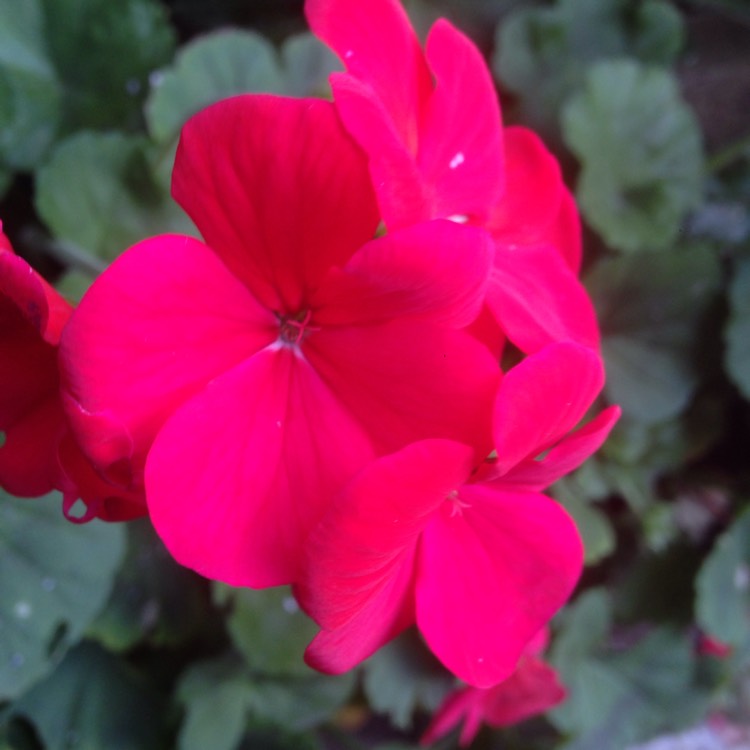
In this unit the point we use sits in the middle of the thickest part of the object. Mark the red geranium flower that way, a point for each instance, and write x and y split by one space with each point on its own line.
245 380
478 557
430 125
532 689
39 454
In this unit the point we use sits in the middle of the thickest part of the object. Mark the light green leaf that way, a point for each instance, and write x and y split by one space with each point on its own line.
215 66
307 64
594 527
30 96
737 332
268 628
640 151
403 676
90 702
651 308
55 577
723 586
154 599
103 53
117 200
616 698
542 54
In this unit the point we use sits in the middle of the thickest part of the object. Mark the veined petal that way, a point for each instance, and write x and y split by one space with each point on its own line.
538 300
460 144
278 190
409 380
377 44
163 320
490 576
239 475
541 399
533 190
567 455
437 270
371 531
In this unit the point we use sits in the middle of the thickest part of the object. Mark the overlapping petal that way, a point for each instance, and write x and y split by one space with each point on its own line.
538 300
278 190
491 575
437 271
165 319
238 475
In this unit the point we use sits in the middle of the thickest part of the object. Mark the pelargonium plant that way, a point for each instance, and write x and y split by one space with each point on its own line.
313 394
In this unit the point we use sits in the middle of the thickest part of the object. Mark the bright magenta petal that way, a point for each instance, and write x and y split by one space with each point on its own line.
490 576
359 566
538 300
239 475
438 270
533 190
407 381
162 321
543 398
460 145
565 233
278 190
569 454
378 46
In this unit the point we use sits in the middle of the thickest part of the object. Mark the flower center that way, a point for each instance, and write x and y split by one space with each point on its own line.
294 328
457 504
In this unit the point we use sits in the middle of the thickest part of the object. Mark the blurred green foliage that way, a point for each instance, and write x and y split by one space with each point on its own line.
105 642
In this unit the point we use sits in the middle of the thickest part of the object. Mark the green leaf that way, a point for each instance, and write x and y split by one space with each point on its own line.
30 96
594 527
117 200
216 66
651 309
403 676
55 578
268 628
103 53
616 698
640 151
307 64
723 586
154 599
92 701
542 54
737 332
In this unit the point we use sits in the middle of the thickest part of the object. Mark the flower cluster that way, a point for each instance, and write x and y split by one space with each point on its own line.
312 395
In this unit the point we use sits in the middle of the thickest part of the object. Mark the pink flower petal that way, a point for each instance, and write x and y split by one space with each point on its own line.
408 380
357 32
437 270
567 455
239 475
538 300
490 575
543 398
533 190
360 559
161 322
460 146
277 189
565 233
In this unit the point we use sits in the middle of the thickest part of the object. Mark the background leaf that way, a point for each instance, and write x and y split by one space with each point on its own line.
55 577
737 332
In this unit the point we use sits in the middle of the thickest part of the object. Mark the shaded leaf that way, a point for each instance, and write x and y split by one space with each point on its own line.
723 586
404 675
737 331
651 308
154 599
542 54
55 577
92 701
117 200
268 628
307 63
640 151
30 96
103 53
